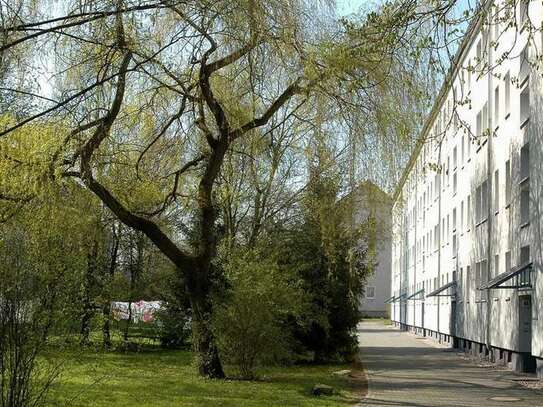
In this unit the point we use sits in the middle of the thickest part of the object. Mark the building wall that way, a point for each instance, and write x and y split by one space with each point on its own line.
369 200
457 215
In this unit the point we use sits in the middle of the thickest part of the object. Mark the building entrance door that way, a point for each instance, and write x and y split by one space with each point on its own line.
525 323
422 318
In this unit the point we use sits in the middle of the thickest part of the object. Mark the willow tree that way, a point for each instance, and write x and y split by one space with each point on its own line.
150 98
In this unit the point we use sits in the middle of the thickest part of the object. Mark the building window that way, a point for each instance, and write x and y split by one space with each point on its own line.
463 149
523 13
524 105
462 216
507 94
496 191
469 75
496 106
525 162
525 203
507 182
468 212
496 265
525 184
507 261
455 183
524 71
370 292
448 229
481 128
524 255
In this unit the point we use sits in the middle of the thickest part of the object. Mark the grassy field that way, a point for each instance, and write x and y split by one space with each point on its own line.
167 378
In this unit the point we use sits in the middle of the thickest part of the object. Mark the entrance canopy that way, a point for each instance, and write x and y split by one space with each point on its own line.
439 292
419 295
389 300
395 298
518 277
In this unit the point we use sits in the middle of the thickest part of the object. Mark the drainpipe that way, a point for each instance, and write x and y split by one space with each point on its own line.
416 251
491 187
439 245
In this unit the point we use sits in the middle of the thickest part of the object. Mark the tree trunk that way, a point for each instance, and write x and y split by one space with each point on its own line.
203 342
106 310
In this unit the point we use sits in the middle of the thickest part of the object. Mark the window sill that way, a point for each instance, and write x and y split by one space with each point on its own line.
523 180
481 222
525 123
507 205
496 212
507 115
524 225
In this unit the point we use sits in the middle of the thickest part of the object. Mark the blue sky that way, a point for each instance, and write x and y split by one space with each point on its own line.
345 7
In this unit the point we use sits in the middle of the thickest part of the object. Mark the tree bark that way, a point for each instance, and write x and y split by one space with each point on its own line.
106 310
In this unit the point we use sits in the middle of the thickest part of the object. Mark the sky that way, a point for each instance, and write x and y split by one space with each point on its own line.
345 7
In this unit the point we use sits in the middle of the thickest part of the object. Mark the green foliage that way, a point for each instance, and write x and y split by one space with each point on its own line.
248 322
333 261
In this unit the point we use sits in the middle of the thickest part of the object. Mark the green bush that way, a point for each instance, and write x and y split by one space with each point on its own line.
248 322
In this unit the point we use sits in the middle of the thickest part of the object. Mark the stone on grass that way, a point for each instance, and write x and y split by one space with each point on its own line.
341 373
322 390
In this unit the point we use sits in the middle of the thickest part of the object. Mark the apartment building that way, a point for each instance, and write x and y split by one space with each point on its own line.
467 231
368 200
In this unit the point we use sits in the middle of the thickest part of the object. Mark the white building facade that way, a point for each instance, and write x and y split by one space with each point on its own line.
467 233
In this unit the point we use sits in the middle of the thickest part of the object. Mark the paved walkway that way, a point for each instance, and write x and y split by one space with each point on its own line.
407 370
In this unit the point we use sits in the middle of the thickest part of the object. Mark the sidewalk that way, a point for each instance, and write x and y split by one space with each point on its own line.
407 370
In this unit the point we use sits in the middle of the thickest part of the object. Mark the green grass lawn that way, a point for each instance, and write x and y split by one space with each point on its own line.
167 378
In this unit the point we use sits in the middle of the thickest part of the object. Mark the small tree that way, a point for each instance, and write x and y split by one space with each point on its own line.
248 323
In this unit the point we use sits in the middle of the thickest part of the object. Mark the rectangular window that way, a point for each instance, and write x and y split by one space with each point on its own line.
496 106
477 274
454 220
524 255
468 212
507 182
478 210
507 261
455 158
443 232
469 75
370 292
523 12
455 183
463 148
507 94
462 216
496 265
524 105
525 162
496 191
448 229
479 124
448 172
479 60
525 203
484 200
